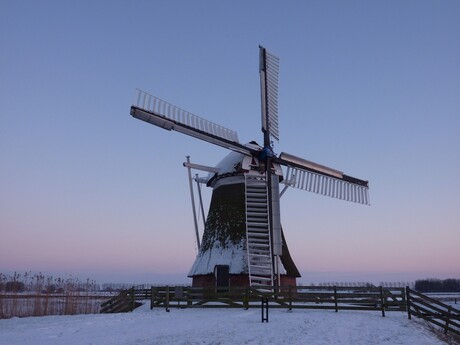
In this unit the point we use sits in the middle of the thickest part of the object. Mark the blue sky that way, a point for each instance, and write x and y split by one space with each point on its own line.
370 88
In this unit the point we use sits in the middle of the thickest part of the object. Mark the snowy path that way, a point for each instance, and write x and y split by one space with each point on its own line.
217 326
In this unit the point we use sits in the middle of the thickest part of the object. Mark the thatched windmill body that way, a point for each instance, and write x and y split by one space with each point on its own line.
243 242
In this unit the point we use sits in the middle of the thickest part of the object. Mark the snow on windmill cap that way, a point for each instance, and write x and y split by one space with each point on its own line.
235 164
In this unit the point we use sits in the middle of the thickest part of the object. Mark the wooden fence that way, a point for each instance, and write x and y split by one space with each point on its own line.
293 297
126 300
296 297
434 311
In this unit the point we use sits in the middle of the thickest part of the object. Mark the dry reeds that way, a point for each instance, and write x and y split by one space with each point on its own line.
37 294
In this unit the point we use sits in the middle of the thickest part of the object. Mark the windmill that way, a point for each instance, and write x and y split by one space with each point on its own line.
243 242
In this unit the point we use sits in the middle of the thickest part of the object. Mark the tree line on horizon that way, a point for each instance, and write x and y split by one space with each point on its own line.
437 285
39 282
395 284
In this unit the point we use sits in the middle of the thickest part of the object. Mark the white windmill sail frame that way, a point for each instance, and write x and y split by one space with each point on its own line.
269 71
319 183
156 105
165 115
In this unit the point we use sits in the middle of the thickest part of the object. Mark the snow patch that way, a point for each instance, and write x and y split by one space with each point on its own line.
217 326
233 255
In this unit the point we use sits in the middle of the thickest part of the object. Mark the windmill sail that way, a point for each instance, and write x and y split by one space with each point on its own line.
269 69
160 113
316 178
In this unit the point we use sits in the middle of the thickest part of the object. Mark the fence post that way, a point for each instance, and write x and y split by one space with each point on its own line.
133 298
167 299
408 302
189 297
403 304
264 309
382 301
335 299
152 291
290 297
449 314
178 294
246 298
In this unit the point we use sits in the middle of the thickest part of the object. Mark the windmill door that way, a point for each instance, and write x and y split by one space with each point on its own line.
222 275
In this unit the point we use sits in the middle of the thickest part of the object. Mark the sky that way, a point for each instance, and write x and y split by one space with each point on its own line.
371 88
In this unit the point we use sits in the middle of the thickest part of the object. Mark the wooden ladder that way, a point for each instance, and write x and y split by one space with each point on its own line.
258 231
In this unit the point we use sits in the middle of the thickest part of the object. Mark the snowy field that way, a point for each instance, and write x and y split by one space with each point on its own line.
217 326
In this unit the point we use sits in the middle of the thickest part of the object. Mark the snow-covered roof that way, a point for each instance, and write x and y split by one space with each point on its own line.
231 163
233 255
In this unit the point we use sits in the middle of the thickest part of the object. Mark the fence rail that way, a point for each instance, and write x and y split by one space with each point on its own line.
290 297
433 311
298 297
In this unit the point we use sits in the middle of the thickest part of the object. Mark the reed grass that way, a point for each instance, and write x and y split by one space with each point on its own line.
36 294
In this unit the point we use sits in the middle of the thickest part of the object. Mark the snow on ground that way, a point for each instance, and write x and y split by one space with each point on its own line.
217 326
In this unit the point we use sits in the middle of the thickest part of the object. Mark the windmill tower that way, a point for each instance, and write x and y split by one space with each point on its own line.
243 242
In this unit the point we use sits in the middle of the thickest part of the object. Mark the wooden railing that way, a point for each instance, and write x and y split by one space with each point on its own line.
290 297
431 310
126 300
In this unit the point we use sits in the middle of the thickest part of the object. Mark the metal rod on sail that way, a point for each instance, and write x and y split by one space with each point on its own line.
284 190
193 204
276 225
288 182
201 199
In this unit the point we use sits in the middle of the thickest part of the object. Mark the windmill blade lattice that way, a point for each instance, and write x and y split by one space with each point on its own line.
158 106
269 70
165 115
326 185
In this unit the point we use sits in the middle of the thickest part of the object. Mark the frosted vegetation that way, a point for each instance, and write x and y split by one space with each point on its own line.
36 294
